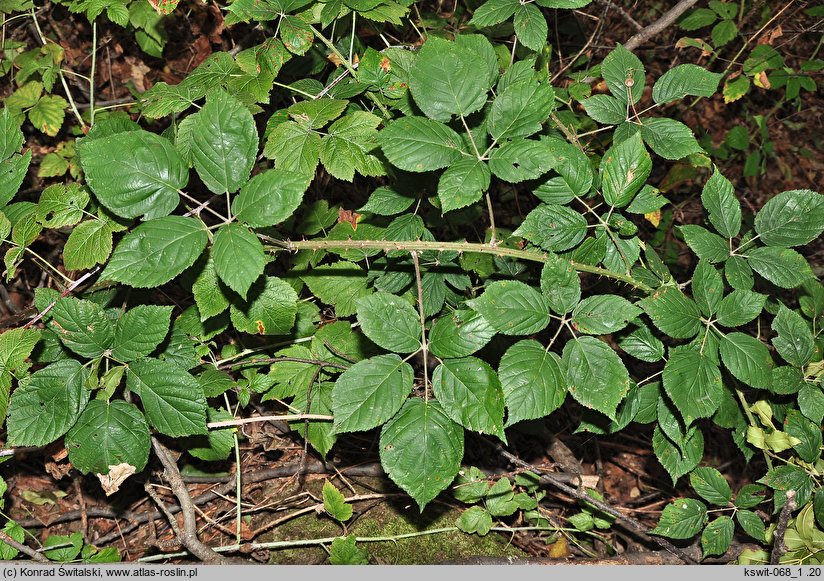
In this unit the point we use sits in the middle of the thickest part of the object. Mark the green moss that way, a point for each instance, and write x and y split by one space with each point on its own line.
395 516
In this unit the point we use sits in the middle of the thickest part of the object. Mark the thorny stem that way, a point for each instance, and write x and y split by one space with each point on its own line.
424 346
388 245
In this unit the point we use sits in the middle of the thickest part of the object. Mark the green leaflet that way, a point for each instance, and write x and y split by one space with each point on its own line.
270 308
444 80
791 218
459 334
45 407
390 322
606 109
139 331
603 314
370 392
530 27
156 251
463 183
747 358
693 382
89 244
238 257
624 75
82 327
421 449
740 307
420 144
783 267
669 138
707 287
705 244
682 519
340 284
270 197
217 444
552 227
493 12
794 341
470 392
12 174
532 382
595 375
624 169
711 485
723 207
673 313
107 434
512 307
224 143
172 399
684 80
560 284
134 173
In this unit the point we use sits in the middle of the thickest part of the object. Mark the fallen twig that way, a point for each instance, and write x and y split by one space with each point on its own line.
22 548
669 17
779 546
187 536
580 494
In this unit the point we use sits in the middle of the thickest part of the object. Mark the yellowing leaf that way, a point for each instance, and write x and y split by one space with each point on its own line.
653 217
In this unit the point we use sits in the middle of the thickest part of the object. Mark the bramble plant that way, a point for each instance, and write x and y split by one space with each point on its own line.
392 316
